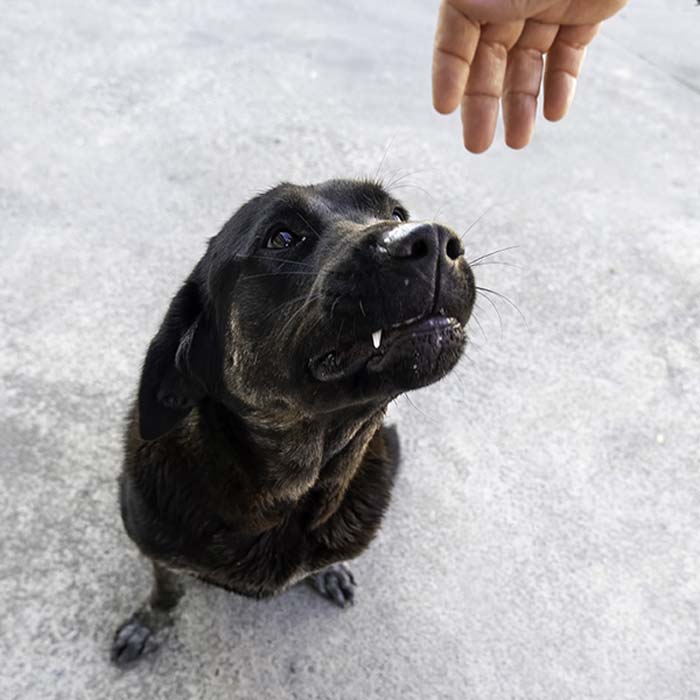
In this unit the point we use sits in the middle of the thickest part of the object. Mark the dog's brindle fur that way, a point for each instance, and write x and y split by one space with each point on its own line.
255 452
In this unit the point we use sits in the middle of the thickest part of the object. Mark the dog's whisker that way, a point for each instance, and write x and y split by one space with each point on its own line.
313 230
439 210
392 179
475 345
492 253
476 221
312 327
478 323
412 186
279 273
275 259
496 262
333 305
303 307
470 359
430 419
506 299
340 330
287 302
400 175
460 374
384 155
498 313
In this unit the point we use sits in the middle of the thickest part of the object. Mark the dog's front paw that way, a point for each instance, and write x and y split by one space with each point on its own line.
336 583
140 635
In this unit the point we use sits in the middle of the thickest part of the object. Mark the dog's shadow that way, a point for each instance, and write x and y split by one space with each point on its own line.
247 641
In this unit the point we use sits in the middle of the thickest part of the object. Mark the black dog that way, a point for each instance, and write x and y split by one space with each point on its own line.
255 453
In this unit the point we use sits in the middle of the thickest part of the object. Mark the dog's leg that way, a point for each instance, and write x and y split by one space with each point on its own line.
336 583
144 631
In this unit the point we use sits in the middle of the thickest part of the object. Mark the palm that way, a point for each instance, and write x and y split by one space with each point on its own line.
550 11
486 52
578 11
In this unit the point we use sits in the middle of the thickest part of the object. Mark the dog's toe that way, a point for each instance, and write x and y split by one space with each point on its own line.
336 583
134 639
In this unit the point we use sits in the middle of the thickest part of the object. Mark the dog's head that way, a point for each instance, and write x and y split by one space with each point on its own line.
311 299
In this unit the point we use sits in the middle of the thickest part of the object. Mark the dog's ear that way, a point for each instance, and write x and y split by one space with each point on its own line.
173 377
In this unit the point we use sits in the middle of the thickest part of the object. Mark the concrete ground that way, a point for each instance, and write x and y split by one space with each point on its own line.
545 534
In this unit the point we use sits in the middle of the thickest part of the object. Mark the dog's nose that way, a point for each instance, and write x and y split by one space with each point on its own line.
413 241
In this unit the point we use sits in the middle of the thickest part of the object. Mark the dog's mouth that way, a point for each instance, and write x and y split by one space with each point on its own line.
418 351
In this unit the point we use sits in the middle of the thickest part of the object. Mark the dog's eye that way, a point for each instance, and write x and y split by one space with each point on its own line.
283 239
398 215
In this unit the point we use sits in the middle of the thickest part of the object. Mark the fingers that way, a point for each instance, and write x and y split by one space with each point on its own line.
485 84
482 64
522 82
563 66
456 39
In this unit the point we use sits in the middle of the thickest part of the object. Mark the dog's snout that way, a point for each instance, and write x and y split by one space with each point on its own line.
414 241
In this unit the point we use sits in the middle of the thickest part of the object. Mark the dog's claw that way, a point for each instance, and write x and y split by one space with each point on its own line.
134 639
335 582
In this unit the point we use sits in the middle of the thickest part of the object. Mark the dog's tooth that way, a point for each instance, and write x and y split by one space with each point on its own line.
377 338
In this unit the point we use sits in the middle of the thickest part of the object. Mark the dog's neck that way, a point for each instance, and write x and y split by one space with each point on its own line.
294 453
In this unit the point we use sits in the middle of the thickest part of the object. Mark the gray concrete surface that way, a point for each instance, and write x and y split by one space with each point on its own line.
545 534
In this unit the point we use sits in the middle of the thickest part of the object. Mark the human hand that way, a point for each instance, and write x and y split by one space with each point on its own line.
488 51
